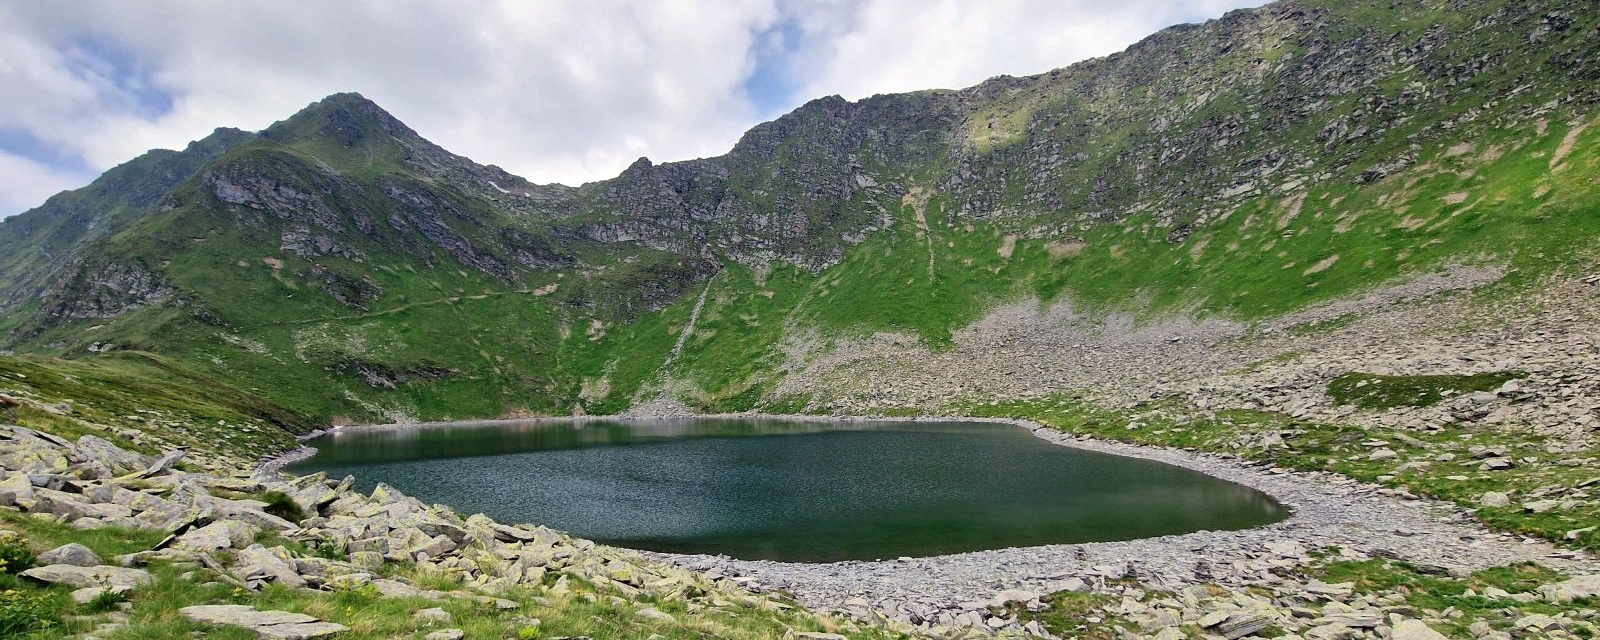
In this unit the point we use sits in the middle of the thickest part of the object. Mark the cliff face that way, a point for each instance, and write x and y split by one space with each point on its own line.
340 240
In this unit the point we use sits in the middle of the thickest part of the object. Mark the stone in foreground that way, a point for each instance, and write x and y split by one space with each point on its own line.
301 631
89 594
432 615
85 577
222 534
73 554
279 625
1415 630
652 613
1587 586
813 635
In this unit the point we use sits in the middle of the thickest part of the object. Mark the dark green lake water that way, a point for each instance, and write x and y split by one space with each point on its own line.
790 490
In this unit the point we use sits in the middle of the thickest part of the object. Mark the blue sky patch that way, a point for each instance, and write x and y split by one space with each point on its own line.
20 142
120 79
772 88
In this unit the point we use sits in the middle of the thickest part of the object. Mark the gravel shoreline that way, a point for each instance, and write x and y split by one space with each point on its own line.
272 465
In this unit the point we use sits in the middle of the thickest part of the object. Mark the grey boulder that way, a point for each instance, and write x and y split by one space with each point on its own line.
73 554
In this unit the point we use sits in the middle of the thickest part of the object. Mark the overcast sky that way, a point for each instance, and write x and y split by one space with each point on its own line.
552 90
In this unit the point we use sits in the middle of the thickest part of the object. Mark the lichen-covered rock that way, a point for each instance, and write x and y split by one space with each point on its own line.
432 616
1576 588
162 464
258 563
72 554
118 460
224 534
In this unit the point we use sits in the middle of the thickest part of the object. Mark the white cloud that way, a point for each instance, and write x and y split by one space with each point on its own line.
554 90
27 183
562 90
889 46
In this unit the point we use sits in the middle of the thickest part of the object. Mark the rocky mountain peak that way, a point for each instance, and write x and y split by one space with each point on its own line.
220 140
349 119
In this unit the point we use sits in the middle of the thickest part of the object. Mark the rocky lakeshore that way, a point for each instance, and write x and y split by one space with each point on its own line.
1230 584
1332 513
1226 584
259 529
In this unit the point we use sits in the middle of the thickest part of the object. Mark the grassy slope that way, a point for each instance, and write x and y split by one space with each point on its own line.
454 342
1258 262
144 402
513 351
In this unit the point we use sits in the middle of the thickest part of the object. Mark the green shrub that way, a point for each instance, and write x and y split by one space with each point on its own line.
25 610
15 556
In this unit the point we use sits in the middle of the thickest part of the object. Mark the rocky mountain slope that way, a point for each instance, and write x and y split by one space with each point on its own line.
345 267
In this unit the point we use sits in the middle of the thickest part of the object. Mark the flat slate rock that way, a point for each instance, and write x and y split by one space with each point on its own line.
1415 630
301 631
84 577
279 625
242 615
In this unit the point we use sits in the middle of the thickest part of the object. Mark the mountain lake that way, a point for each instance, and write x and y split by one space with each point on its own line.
791 490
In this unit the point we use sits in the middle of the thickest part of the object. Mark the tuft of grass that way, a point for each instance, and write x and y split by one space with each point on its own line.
281 505
1431 590
107 542
1371 391
1072 614
104 601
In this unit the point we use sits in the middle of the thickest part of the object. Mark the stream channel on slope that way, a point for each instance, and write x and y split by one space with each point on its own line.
791 490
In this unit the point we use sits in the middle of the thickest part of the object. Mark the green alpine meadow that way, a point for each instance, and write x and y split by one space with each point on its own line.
1341 256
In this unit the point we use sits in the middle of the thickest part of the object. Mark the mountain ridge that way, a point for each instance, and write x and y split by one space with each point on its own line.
1241 168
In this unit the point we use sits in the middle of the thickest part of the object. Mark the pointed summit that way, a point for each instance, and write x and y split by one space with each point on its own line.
220 140
348 119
